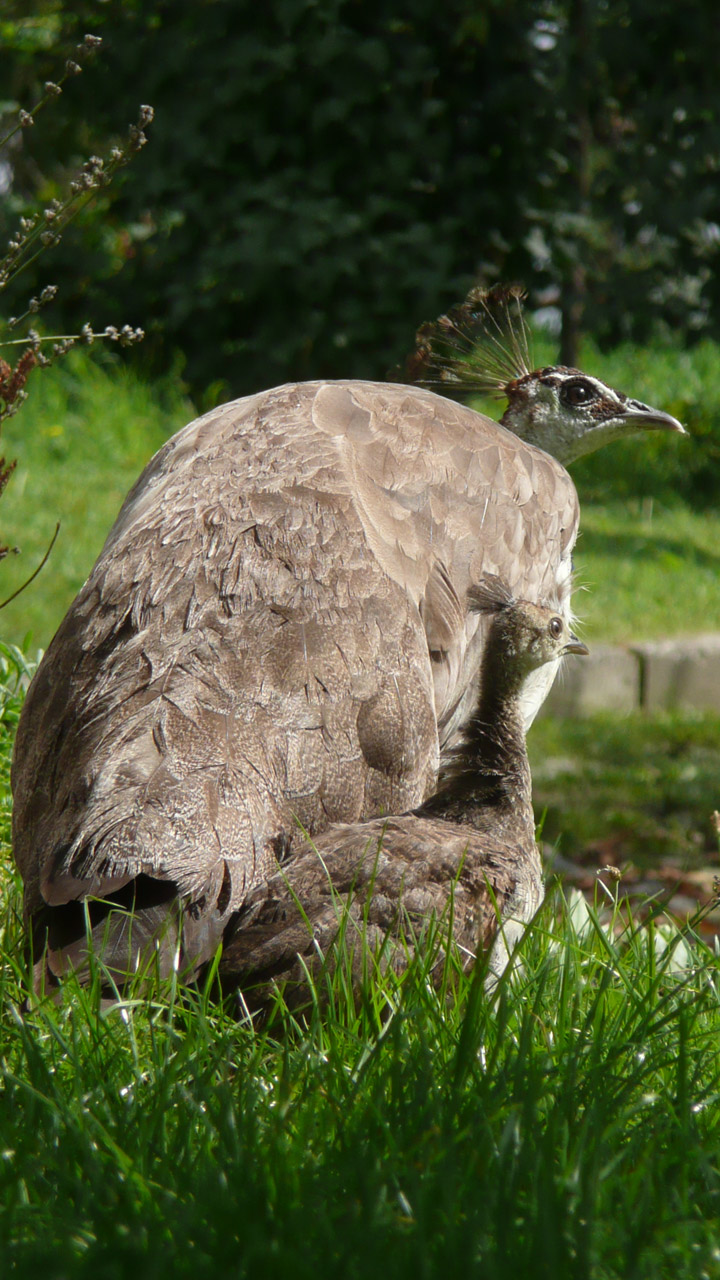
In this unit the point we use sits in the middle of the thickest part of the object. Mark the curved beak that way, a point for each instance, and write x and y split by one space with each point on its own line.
576 646
643 415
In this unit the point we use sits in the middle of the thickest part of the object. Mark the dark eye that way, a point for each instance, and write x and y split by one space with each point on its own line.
556 627
578 391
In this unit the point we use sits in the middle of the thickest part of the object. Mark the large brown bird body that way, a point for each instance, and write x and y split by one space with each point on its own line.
277 631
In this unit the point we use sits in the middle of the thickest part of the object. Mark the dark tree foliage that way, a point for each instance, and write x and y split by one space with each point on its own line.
324 176
648 133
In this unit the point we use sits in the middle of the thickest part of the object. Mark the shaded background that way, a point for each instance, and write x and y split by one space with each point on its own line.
324 176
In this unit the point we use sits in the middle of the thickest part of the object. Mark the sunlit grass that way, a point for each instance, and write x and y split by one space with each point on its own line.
568 1129
572 1130
647 571
81 440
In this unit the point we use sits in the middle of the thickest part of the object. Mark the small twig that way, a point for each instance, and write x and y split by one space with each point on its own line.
34 575
39 233
26 119
125 336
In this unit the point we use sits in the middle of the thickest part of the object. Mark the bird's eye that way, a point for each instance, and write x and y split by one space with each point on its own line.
556 627
578 391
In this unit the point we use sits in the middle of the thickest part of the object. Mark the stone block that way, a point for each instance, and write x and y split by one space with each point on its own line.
607 680
682 673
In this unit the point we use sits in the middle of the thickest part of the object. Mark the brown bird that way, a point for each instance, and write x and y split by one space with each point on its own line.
382 884
277 630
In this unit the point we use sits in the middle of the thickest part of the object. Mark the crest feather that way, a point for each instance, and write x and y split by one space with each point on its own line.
477 347
490 595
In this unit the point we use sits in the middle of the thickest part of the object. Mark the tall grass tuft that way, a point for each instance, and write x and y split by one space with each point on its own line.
569 1128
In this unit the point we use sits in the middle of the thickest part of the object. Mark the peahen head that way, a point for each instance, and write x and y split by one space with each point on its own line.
523 636
482 348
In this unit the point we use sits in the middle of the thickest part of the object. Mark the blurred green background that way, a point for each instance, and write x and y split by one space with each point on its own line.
322 177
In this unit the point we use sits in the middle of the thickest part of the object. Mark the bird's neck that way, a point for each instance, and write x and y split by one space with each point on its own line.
546 432
488 779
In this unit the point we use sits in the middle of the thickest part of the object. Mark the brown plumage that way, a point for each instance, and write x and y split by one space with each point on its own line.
278 629
466 860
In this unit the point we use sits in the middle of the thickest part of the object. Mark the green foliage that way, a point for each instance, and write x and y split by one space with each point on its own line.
324 177
299 175
15 675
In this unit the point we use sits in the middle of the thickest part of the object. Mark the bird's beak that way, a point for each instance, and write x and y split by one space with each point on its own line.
576 646
643 415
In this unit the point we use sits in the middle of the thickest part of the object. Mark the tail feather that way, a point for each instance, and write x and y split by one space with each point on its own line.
142 928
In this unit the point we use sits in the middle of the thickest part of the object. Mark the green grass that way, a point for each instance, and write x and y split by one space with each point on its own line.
81 440
646 571
633 789
572 1130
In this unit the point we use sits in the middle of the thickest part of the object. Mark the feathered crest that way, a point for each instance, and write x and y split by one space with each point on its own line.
477 348
490 595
